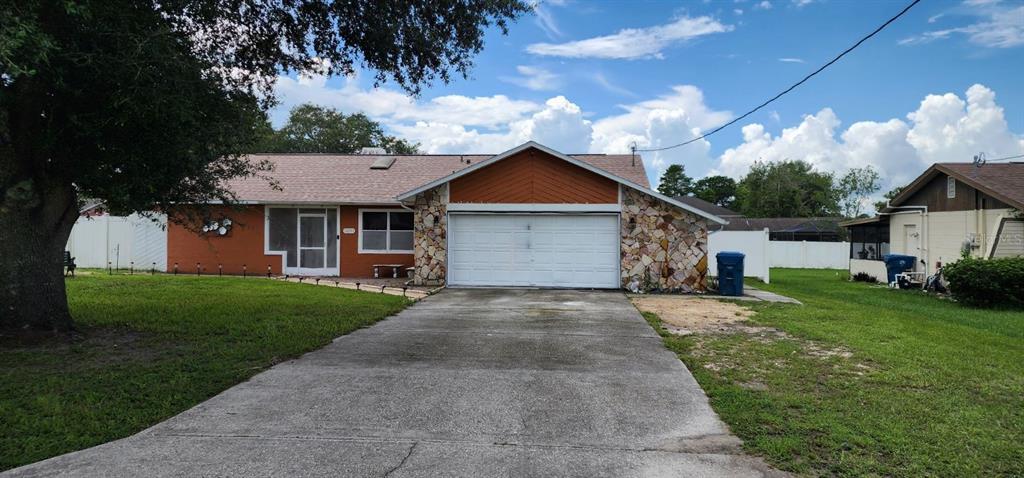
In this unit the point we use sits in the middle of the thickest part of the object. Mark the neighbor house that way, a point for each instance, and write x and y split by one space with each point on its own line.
952 207
530 216
813 229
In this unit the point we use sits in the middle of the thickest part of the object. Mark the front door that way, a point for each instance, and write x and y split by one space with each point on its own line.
911 240
312 234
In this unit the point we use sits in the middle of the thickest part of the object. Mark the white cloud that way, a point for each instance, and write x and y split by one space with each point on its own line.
558 124
947 128
802 3
391 105
997 26
607 84
663 121
792 60
534 78
633 43
944 128
764 5
738 11
546 21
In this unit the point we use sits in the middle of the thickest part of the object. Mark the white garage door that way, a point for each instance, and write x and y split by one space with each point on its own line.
546 250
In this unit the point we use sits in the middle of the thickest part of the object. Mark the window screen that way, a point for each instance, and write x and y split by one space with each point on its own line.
283 233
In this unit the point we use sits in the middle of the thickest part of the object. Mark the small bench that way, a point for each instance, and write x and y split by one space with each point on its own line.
69 264
394 269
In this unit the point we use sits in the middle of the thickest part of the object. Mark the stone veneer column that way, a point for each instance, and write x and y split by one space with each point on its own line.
430 236
663 247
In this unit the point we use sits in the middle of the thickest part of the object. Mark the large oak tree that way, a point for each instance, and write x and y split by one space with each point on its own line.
147 105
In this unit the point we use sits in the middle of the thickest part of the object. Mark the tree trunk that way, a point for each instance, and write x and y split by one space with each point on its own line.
35 223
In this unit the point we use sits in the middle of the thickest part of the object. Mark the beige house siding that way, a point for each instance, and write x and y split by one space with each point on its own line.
1011 239
941 234
875 269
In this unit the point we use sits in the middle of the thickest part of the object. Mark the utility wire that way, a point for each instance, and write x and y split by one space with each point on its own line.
980 159
787 90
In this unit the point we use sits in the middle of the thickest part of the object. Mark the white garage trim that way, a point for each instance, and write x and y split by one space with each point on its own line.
564 262
531 208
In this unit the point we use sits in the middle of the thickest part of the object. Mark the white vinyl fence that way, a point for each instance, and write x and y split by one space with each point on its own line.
810 255
119 241
754 244
762 254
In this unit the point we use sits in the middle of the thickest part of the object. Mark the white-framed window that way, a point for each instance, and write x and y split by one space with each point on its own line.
950 187
385 231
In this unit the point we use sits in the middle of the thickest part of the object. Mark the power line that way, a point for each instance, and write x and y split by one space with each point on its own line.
980 160
787 90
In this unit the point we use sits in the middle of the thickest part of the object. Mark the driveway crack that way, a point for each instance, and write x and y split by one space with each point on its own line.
399 465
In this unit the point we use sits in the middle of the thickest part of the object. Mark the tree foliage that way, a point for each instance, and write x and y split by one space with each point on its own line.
720 190
674 182
786 189
855 187
148 105
880 205
316 129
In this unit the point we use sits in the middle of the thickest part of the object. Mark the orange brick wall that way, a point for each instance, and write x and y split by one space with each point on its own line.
533 177
244 245
354 264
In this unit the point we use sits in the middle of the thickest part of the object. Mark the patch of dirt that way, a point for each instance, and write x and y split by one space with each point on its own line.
706 318
690 315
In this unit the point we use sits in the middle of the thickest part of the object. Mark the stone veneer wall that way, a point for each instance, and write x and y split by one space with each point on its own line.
663 247
430 236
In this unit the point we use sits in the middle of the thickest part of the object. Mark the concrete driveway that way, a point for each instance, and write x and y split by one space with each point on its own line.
470 382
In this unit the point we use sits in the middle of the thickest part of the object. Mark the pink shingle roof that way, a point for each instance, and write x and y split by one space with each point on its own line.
348 179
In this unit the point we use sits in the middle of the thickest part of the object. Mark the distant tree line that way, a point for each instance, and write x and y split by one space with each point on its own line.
316 129
789 188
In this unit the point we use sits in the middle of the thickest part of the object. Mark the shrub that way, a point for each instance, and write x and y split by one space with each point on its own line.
987 283
863 277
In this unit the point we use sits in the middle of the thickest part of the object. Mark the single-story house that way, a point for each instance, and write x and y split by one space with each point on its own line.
720 211
530 216
949 208
811 229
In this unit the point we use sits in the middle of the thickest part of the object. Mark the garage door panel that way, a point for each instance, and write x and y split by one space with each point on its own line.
553 250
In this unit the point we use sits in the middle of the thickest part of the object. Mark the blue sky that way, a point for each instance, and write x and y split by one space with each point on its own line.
940 84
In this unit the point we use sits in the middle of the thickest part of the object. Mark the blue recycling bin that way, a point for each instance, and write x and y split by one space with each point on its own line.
730 273
896 264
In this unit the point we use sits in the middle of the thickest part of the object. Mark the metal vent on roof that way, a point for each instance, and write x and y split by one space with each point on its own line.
373 151
384 162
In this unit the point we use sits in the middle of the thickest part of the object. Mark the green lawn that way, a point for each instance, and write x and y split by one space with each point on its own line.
869 381
153 346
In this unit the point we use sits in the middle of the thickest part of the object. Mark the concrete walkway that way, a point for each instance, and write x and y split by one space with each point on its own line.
464 383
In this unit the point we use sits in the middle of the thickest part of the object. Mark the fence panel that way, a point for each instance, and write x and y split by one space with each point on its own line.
118 241
810 255
754 244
